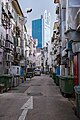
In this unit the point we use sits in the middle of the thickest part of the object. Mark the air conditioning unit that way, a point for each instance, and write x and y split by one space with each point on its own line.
2 43
7 57
11 47
7 45
18 49
76 47
1 55
12 58
7 37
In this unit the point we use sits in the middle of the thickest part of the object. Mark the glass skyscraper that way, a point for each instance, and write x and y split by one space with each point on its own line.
41 29
37 26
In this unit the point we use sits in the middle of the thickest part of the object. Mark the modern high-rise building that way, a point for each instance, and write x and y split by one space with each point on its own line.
46 28
41 29
37 27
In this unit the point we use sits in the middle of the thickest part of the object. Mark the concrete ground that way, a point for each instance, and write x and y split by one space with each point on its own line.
36 99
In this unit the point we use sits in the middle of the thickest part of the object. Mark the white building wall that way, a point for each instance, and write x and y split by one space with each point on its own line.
49 56
38 60
0 12
46 27
72 7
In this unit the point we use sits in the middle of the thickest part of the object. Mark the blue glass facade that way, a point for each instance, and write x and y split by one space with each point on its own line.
37 31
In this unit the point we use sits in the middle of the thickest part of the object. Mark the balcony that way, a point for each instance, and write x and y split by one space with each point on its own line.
12 58
34 54
1 55
5 8
55 51
9 46
57 9
73 35
18 23
18 50
7 57
56 1
55 57
55 62
9 38
63 4
2 43
51 53
63 61
10 12
58 51
64 53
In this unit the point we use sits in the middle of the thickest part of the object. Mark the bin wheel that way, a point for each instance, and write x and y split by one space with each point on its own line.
75 111
1 91
10 88
6 89
60 91
65 95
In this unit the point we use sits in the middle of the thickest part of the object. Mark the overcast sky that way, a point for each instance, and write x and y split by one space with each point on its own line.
38 8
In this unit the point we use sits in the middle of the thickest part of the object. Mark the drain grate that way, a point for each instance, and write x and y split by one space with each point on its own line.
50 84
35 94
1 116
19 89
35 85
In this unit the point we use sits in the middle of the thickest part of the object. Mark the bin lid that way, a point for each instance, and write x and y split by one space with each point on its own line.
68 77
6 75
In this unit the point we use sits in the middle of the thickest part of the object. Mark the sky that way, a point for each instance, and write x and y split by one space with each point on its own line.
38 8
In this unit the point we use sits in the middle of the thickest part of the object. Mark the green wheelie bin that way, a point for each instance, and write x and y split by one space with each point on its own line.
66 85
6 81
77 94
54 77
50 73
57 80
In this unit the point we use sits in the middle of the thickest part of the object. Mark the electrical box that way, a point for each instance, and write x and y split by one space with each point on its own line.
15 70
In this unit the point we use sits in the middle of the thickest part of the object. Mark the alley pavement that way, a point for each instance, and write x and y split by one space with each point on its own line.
36 99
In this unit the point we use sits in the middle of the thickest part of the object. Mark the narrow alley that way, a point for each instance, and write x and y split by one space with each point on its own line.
36 99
